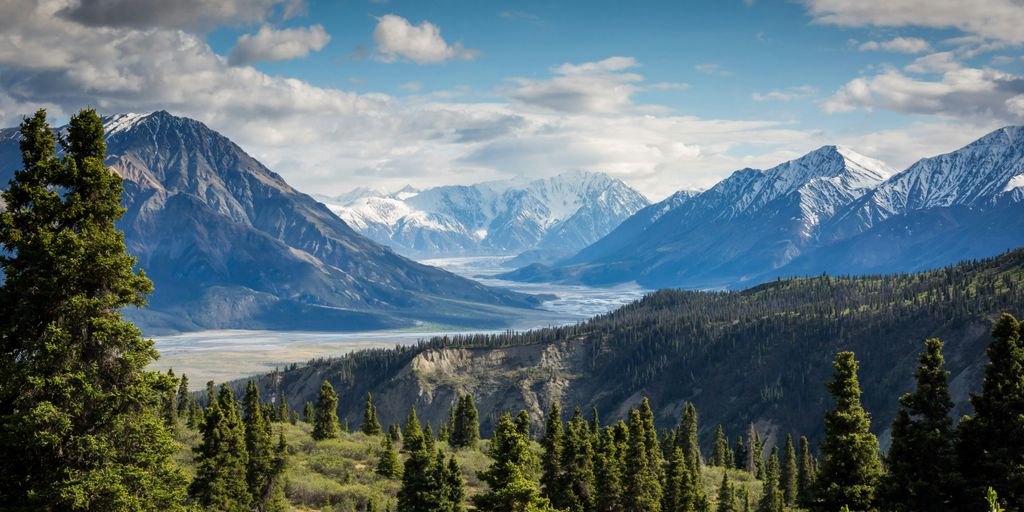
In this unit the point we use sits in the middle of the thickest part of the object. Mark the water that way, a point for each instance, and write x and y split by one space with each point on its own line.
221 355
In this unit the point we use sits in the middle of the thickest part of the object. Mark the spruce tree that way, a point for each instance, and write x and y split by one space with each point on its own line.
654 453
509 482
675 488
466 432
805 477
412 433
921 459
184 402
991 443
325 418
421 484
523 424
371 426
259 447
222 459
169 409
740 454
721 447
608 473
788 480
578 466
850 466
307 412
641 488
753 452
454 486
726 496
388 465
73 378
687 435
551 459
772 499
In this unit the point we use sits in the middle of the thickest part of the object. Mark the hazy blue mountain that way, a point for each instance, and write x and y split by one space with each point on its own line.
540 219
229 244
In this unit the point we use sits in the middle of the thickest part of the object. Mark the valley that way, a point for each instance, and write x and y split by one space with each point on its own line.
224 355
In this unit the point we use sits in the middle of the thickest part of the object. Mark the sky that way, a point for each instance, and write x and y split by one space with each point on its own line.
337 94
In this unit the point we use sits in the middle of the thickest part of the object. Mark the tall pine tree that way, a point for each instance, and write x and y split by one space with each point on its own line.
850 465
641 486
991 446
325 418
259 446
789 477
551 459
222 459
578 466
921 460
511 487
73 380
371 426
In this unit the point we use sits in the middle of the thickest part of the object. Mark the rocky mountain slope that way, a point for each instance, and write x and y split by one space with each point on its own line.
760 355
830 211
547 218
229 244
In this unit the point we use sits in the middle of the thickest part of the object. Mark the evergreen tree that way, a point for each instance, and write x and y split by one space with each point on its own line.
921 459
412 433
740 454
455 487
687 435
641 488
654 456
510 487
991 445
608 474
466 431
195 413
772 499
307 412
727 496
371 426
789 476
275 500
577 466
753 452
551 459
523 423
73 378
170 402
421 484
259 446
184 402
850 466
325 418
675 497
388 465
595 423
805 478
222 459
721 450
395 433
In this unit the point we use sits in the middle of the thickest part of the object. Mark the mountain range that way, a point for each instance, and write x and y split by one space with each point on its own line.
832 210
539 220
229 244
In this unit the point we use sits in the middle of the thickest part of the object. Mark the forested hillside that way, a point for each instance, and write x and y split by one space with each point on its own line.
758 355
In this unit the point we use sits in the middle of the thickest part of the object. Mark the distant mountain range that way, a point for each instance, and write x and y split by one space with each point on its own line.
832 211
229 244
539 220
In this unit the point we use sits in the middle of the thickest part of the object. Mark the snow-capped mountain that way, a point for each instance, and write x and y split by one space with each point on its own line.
551 217
229 244
831 210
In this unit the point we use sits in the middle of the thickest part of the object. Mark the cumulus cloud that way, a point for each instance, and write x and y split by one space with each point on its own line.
595 87
898 45
999 20
174 13
971 94
398 39
270 44
940 62
789 94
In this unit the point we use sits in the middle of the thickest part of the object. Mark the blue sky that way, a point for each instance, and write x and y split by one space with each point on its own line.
664 95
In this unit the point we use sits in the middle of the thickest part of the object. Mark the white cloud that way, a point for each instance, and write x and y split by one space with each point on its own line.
940 62
992 19
976 95
789 94
270 44
898 45
173 13
713 69
397 39
670 86
594 87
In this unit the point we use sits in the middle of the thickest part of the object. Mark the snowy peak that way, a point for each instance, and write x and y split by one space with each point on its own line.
565 212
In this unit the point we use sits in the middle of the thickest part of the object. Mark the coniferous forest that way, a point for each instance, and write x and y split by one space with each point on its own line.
84 425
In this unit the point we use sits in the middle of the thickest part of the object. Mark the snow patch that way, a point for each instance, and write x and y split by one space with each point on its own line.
1015 182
